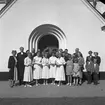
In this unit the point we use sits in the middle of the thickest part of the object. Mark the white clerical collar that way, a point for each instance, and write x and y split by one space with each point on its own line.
21 53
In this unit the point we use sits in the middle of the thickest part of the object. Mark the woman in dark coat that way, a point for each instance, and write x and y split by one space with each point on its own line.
12 65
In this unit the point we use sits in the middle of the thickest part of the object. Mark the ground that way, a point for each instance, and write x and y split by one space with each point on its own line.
53 95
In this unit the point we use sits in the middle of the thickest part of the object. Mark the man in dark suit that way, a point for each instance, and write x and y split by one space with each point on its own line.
20 64
90 56
97 57
89 68
95 72
98 61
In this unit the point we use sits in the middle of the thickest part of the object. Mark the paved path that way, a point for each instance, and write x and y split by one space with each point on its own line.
52 91
53 101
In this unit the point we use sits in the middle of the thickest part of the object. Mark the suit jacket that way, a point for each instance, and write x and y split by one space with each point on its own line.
92 58
89 66
20 62
21 57
11 63
96 68
98 59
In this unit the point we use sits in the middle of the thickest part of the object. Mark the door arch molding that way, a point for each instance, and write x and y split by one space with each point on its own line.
46 29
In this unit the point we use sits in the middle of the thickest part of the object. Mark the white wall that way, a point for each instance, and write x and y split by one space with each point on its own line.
77 22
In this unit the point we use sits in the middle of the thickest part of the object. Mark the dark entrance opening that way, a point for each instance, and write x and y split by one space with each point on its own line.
48 41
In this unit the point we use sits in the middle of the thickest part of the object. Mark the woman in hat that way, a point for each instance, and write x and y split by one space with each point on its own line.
12 65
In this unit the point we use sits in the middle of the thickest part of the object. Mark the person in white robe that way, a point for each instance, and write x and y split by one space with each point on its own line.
52 62
28 70
45 70
37 73
60 74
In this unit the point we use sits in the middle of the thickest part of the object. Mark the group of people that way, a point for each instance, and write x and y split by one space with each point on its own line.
56 64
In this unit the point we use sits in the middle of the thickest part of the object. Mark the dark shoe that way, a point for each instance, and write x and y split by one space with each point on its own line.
80 84
20 84
11 86
11 83
96 83
89 83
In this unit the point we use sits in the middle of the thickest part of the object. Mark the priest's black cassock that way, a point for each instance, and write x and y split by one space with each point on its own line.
20 65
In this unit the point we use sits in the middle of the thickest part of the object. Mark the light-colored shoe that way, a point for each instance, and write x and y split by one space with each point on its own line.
36 85
68 84
58 85
53 83
44 84
30 85
25 86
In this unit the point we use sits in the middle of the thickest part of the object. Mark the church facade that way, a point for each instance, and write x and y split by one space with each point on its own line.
66 24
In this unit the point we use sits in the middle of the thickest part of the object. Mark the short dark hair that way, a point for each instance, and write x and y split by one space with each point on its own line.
14 51
97 53
76 60
90 52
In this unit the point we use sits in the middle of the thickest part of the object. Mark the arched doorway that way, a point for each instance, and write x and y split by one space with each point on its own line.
48 41
43 31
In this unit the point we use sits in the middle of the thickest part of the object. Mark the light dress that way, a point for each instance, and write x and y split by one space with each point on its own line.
28 70
69 67
52 62
60 74
76 70
45 70
37 73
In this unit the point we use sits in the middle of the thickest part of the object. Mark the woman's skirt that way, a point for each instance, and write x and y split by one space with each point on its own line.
28 77
45 72
60 74
52 71
37 73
